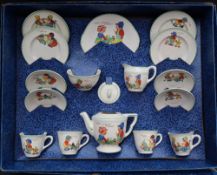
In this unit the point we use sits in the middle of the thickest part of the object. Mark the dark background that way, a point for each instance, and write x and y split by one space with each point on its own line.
196 172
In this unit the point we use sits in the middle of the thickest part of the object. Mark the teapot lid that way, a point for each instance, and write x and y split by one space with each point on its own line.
109 92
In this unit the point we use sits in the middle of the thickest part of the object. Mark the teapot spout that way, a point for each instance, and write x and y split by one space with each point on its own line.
88 122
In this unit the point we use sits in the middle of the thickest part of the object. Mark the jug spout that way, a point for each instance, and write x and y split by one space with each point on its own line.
88 122
125 65
21 134
70 73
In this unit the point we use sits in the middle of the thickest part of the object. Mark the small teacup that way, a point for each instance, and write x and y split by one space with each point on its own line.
70 141
136 78
182 144
146 141
33 145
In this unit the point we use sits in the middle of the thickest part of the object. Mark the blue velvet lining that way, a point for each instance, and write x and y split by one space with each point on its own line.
108 58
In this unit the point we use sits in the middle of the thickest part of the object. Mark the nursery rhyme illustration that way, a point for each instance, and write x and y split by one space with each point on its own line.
104 35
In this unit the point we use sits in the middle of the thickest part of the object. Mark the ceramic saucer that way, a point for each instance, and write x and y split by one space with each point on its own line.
109 92
174 78
83 83
174 98
46 98
45 79
173 19
46 18
173 44
110 29
44 43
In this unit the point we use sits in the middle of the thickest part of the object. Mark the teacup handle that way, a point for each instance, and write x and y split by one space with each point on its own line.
198 142
51 141
135 116
86 141
160 138
154 73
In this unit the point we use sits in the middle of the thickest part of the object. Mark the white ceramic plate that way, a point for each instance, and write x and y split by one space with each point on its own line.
173 19
45 79
174 98
46 18
173 44
174 78
45 43
46 98
110 29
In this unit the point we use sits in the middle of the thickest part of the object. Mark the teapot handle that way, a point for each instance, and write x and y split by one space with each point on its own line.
135 116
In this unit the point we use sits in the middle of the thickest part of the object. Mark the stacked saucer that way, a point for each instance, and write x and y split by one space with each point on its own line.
45 89
45 36
172 36
174 89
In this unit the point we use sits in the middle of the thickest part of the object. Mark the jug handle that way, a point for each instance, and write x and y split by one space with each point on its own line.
154 73
135 116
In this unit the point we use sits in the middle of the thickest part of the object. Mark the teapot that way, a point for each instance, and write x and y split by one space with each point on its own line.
109 129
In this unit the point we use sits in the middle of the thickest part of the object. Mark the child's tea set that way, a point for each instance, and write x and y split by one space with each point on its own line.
172 35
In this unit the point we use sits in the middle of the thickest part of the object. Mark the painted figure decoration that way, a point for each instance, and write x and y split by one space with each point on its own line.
114 39
68 144
48 39
45 79
29 149
173 40
45 95
179 22
49 21
177 77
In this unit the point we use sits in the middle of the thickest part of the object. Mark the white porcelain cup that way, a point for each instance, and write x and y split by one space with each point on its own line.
146 141
33 145
136 78
183 143
70 141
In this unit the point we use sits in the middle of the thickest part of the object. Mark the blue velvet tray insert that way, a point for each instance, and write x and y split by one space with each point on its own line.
109 58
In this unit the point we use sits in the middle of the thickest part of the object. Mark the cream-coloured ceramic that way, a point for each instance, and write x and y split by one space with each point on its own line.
45 43
45 18
70 141
173 44
45 79
174 78
33 145
136 78
45 97
146 140
83 83
110 29
109 92
173 19
109 129
183 143
174 98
